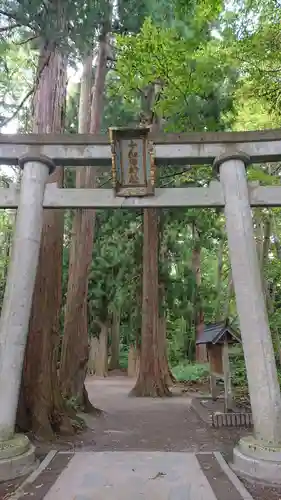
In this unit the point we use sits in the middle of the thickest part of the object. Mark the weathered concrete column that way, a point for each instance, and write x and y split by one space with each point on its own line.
17 303
257 343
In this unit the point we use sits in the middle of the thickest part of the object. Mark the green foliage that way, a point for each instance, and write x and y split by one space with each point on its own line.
253 112
238 372
196 83
112 278
17 69
70 25
7 218
253 40
123 359
187 372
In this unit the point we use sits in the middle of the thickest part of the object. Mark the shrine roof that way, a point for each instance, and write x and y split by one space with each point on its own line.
215 333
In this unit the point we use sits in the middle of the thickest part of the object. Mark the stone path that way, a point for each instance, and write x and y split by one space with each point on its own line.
136 475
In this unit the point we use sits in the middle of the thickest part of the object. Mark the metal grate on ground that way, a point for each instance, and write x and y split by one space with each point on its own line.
231 420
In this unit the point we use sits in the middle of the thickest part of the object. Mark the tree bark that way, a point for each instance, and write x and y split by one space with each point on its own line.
271 303
75 340
115 340
94 346
101 358
151 378
133 361
259 232
162 331
163 353
229 294
201 351
277 341
276 238
267 226
44 405
266 241
219 282
262 235
75 352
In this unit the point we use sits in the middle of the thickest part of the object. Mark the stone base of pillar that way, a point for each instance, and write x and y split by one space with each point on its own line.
261 462
17 457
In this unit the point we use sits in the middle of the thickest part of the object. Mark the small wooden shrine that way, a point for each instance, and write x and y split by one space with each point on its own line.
217 337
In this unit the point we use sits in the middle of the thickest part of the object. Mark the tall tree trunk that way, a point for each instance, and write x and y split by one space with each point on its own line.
265 256
268 225
75 340
101 357
152 375
170 379
229 295
219 282
276 238
266 240
115 340
44 404
275 332
162 330
271 302
259 232
151 378
263 233
133 361
224 314
201 352
74 353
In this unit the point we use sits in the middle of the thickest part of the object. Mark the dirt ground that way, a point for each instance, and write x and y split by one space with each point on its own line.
148 424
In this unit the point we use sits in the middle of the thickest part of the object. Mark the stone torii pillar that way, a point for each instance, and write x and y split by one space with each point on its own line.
16 453
259 455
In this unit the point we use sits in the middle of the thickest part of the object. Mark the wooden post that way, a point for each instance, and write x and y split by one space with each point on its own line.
216 370
213 386
257 343
19 288
228 399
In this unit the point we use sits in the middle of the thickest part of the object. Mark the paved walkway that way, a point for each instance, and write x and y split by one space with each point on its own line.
136 475
129 475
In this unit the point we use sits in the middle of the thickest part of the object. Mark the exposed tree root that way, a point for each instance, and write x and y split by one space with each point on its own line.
87 405
149 388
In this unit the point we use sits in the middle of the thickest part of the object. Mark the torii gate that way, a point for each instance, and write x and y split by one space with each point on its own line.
230 153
